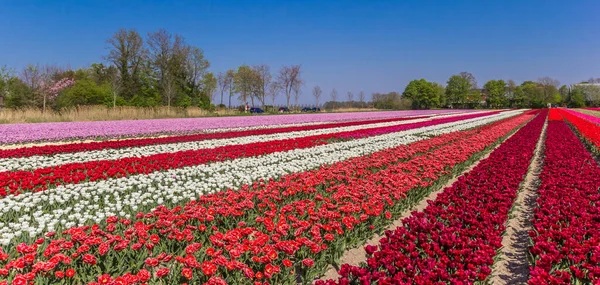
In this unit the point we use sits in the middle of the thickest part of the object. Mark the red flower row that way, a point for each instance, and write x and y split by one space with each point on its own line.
14 182
456 237
589 130
264 232
566 235
89 146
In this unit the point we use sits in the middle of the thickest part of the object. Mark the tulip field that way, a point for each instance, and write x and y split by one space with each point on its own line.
280 199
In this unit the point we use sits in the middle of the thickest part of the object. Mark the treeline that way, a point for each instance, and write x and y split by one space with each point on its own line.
162 69
461 91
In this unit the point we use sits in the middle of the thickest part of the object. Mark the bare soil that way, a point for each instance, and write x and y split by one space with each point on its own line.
512 266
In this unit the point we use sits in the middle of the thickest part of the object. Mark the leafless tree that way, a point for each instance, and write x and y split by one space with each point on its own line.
115 84
317 93
550 88
247 83
230 76
32 76
169 57
128 54
196 65
274 89
470 78
350 98
510 86
297 92
264 75
547 81
361 96
39 79
224 81
593 80
289 80
333 95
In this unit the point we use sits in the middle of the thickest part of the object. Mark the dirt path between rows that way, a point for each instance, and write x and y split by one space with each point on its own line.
512 266
357 255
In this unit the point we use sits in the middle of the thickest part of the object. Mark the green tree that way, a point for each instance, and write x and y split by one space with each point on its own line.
577 97
440 94
19 94
85 92
533 94
247 83
457 91
519 100
495 90
422 93
128 54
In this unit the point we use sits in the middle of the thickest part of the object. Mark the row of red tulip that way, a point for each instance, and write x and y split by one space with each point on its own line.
454 240
589 130
566 225
116 144
269 232
14 182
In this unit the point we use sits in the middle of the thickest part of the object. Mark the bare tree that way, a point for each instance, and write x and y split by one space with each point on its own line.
317 93
264 76
288 79
350 98
274 89
169 57
115 84
32 76
230 76
550 88
333 95
547 81
247 83
128 54
168 87
223 81
40 79
361 96
593 80
510 86
209 85
196 65
296 89
470 78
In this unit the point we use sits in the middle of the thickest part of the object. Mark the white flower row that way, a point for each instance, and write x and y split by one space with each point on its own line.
33 162
31 214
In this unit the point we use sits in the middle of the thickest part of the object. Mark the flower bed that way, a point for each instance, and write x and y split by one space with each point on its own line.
128 143
32 213
454 240
14 182
39 161
18 133
593 119
589 130
271 231
566 234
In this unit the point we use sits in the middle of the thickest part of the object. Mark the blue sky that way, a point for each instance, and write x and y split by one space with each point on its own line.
373 46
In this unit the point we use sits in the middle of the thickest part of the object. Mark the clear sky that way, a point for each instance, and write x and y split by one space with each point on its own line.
373 46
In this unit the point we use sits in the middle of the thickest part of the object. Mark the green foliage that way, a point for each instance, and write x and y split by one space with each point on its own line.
577 97
495 90
183 100
19 94
389 101
422 93
84 92
457 91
